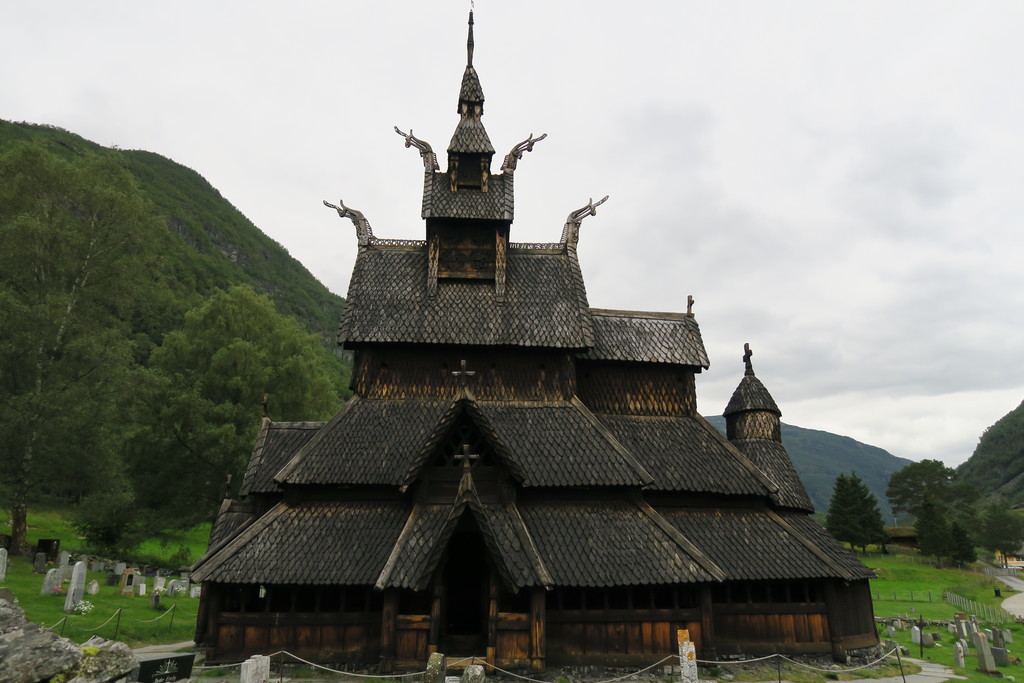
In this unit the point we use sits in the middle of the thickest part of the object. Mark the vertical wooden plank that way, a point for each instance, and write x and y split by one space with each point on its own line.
594 638
388 639
647 637
208 591
434 637
538 619
616 637
706 646
834 619
663 640
634 639
492 617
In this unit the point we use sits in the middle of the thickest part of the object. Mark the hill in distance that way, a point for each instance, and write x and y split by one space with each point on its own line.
996 468
213 245
819 457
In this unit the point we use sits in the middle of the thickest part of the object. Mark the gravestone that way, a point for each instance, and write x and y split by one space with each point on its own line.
964 644
915 635
988 634
165 667
119 568
1007 636
51 582
76 589
49 547
93 588
62 564
185 576
173 587
951 627
926 639
890 630
39 563
158 583
141 586
1001 656
97 565
997 638
154 600
128 582
195 591
958 654
437 667
474 673
3 563
256 669
112 579
985 661
936 638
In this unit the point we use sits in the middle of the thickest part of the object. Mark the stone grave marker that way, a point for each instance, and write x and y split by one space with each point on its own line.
173 587
97 565
154 599
39 563
958 654
926 639
997 638
128 582
474 673
63 560
985 661
256 669
195 591
988 634
93 587
113 579
964 644
3 563
1007 636
51 582
1001 656
119 568
140 584
185 576
76 589
437 667
158 583
890 630
951 627
915 635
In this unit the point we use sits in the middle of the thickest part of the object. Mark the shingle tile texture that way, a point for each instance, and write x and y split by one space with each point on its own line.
606 543
684 453
751 395
751 545
442 201
311 543
276 444
641 337
772 458
544 303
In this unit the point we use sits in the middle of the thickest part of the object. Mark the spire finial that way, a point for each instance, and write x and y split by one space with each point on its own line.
747 353
469 43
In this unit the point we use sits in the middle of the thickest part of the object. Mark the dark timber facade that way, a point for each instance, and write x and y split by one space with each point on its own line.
519 476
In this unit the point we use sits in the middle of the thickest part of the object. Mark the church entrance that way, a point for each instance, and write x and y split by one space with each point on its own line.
467 583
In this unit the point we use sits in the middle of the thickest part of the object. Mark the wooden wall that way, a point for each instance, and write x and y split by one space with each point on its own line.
417 372
339 637
617 638
621 389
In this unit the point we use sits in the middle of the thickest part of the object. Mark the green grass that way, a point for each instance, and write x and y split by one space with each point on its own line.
138 623
168 548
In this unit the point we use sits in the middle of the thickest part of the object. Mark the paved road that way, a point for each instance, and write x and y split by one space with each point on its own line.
1015 603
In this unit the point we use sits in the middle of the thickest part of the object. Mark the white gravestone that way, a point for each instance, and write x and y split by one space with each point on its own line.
93 588
958 655
76 588
915 635
51 582
3 563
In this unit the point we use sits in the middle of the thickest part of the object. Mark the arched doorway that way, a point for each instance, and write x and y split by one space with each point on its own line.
466 577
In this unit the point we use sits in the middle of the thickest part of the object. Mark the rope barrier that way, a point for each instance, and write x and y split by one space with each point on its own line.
150 621
79 628
836 670
58 623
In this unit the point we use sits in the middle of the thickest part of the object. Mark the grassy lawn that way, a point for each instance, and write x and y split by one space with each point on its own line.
139 624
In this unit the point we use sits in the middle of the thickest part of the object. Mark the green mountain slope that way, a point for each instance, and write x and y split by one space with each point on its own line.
996 468
819 457
212 245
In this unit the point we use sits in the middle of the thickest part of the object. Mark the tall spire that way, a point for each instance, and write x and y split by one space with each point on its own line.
470 136
469 42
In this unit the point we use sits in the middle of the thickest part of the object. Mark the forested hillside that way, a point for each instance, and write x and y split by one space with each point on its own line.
996 468
819 457
145 326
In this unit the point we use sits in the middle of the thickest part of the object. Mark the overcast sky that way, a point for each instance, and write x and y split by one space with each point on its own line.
840 184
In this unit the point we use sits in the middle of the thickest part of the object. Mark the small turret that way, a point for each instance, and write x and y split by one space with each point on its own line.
752 412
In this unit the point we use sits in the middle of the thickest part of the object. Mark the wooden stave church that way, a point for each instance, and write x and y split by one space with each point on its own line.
498 485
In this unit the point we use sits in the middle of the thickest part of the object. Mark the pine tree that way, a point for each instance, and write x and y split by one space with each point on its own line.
933 531
853 514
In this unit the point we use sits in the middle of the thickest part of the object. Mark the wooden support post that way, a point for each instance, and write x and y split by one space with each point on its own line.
434 635
707 624
388 640
492 617
538 619
835 631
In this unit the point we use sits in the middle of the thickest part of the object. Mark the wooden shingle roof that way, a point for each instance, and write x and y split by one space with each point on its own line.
771 457
275 445
646 337
751 395
310 543
611 543
685 453
440 200
762 545
545 304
